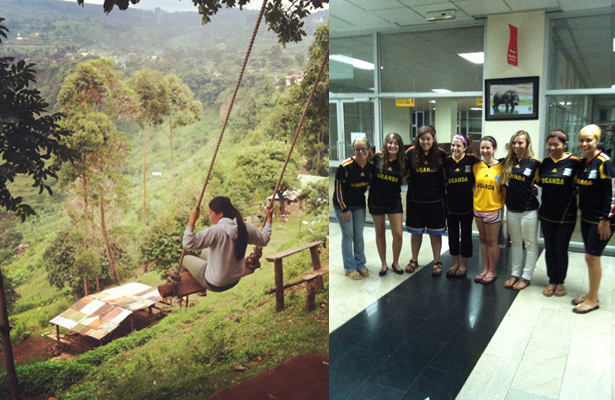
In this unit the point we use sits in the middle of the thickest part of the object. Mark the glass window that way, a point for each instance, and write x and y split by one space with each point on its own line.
351 65
581 52
423 61
333 132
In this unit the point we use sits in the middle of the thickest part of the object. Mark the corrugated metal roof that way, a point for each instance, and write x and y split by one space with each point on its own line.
98 314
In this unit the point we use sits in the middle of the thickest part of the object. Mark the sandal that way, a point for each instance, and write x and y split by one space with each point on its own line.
479 278
576 302
412 266
521 284
560 291
437 269
511 282
548 291
457 272
488 279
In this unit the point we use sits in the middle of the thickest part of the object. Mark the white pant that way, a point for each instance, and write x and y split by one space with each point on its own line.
523 227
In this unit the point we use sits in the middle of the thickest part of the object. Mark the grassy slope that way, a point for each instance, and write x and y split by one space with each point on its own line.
194 353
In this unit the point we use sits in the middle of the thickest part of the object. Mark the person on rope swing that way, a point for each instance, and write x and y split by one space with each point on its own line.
222 266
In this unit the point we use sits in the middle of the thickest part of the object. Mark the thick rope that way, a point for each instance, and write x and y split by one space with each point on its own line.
252 261
228 112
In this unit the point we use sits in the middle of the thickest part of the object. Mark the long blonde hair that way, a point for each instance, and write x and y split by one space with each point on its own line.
401 156
511 159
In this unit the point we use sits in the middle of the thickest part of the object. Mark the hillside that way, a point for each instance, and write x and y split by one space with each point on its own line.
192 352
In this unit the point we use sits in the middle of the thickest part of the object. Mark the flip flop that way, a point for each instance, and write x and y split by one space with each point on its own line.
586 309
488 279
576 302
479 278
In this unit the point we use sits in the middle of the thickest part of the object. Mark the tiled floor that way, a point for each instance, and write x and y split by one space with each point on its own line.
418 337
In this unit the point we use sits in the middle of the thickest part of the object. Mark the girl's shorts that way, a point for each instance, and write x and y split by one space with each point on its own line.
490 217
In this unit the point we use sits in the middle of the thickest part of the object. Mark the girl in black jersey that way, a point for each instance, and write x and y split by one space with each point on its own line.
519 174
425 196
351 181
558 211
385 198
595 181
458 206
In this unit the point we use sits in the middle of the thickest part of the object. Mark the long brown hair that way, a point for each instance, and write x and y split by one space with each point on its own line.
401 158
224 205
511 158
432 155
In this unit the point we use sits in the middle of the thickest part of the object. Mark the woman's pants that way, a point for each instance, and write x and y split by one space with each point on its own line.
197 266
523 227
353 246
457 223
557 237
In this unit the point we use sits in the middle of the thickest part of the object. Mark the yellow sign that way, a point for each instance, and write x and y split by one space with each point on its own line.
405 102
479 101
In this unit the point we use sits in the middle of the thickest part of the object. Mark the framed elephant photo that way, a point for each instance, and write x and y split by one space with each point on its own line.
511 98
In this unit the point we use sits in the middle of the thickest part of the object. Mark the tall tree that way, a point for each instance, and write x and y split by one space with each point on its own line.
29 136
283 19
314 137
183 111
153 104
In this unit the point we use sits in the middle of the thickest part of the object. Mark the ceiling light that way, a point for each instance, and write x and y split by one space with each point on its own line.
440 15
360 64
441 90
476 58
476 109
614 45
432 101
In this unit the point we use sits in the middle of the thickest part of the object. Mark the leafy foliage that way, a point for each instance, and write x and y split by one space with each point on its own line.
286 22
29 137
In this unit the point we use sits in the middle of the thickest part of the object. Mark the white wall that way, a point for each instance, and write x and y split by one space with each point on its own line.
531 31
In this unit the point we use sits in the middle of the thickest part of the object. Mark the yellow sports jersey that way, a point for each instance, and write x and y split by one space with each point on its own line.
488 189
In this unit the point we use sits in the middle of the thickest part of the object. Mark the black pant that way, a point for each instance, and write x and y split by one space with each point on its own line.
557 237
454 221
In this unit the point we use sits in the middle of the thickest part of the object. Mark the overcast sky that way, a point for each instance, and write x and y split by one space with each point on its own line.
170 5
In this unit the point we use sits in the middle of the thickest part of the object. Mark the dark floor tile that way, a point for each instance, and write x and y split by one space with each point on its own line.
378 312
435 385
436 329
462 352
345 338
390 335
348 373
406 364
370 391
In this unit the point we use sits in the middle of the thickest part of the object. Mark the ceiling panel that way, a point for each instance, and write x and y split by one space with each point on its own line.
401 17
372 5
528 5
570 5
481 7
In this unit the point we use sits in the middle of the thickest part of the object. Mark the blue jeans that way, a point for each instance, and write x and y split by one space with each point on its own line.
353 246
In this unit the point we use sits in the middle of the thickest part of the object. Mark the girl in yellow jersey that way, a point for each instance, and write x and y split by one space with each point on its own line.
489 195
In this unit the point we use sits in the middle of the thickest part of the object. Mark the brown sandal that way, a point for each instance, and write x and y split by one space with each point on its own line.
548 292
560 291
522 284
511 282
437 269
412 266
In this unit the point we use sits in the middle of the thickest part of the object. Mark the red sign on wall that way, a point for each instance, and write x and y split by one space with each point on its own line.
512 46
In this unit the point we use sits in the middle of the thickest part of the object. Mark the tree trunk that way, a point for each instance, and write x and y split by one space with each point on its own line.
97 284
85 205
173 166
281 199
116 276
5 330
86 284
144 162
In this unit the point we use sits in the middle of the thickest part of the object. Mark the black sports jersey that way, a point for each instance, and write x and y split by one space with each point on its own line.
351 181
459 180
557 181
596 192
425 184
519 196
385 188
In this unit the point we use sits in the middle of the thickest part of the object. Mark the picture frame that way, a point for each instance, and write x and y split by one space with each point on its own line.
511 99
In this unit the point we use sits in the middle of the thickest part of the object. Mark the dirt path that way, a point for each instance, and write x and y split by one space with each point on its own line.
305 377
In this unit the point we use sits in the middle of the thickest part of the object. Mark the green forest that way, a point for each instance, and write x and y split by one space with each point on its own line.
135 101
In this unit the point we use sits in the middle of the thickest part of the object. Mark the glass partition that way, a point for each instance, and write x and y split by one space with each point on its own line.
424 61
351 65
